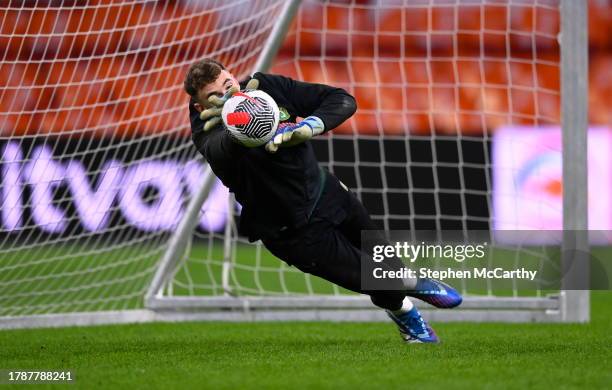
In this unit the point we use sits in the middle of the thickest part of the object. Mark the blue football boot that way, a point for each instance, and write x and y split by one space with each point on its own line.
413 327
436 293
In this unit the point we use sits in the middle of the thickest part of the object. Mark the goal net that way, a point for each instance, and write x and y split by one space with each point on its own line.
449 94
99 175
95 153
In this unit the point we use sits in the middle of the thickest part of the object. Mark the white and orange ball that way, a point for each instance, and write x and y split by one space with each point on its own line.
251 117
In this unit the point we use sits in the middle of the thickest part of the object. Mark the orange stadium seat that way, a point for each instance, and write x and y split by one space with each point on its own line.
96 30
363 45
87 86
364 71
338 72
157 102
522 106
526 20
17 98
548 96
364 122
311 71
77 98
126 90
416 72
443 29
145 27
61 73
345 26
286 66
288 46
442 72
470 18
361 17
389 72
600 20
417 99
495 24
386 21
416 20
548 77
311 27
344 128
366 97
46 30
13 26
113 27
493 109
600 91
443 107
391 109
469 22
336 29
391 23
469 71
548 108
101 2
310 15
547 27
152 114
521 21
169 26
521 74
392 98
495 72
310 43
443 19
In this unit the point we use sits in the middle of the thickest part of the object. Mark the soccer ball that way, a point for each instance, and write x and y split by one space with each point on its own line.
251 117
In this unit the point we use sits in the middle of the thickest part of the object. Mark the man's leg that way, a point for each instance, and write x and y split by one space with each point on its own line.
358 220
322 250
432 291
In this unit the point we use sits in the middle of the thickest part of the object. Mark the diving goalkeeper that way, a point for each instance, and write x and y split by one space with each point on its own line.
302 213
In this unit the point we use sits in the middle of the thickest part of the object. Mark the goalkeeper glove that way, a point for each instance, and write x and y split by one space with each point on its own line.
295 134
212 116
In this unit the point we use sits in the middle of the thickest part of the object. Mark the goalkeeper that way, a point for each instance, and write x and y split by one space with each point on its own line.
303 214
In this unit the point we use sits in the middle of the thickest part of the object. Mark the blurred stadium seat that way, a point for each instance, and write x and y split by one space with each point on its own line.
113 80
75 97
12 34
17 102
600 93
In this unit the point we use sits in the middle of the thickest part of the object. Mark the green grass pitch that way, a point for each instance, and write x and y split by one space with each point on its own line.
322 355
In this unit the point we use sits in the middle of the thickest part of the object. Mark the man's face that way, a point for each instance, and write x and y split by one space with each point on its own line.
219 87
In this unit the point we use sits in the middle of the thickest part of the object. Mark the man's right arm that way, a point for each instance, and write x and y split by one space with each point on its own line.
215 145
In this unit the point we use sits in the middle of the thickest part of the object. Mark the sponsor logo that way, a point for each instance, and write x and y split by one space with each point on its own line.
284 114
149 194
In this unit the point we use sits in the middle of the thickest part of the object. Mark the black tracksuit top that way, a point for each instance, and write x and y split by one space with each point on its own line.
277 191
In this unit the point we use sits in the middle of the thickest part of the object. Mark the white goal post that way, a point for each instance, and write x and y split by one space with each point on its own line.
62 265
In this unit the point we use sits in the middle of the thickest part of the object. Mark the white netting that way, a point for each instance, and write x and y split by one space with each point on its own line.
96 159
434 81
95 134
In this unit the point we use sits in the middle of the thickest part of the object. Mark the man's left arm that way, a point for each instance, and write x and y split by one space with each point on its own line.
323 108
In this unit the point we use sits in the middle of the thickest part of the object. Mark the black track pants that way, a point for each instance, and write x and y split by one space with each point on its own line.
331 249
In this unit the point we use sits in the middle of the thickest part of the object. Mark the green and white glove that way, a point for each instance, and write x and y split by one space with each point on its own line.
212 116
296 133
